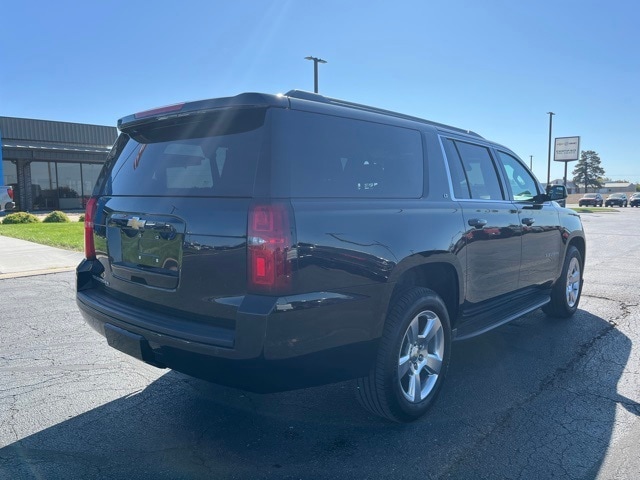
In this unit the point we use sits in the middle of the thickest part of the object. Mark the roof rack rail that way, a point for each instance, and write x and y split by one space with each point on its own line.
316 97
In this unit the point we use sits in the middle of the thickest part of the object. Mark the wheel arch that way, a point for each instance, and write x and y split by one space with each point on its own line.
580 243
442 274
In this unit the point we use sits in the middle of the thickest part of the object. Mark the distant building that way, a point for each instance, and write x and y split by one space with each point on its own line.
618 187
52 165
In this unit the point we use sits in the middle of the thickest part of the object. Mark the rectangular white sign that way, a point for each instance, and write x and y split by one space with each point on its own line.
567 149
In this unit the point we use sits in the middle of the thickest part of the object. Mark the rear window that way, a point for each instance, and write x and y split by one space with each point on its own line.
318 155
215 155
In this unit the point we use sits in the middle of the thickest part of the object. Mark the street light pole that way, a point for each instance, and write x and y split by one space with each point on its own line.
316 61
531 162
551 114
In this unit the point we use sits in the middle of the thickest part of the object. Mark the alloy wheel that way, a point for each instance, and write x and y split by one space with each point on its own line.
573 282
421 356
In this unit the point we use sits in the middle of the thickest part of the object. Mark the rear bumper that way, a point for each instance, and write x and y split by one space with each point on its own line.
273 344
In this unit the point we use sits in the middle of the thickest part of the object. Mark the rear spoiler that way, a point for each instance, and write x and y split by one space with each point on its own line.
243 100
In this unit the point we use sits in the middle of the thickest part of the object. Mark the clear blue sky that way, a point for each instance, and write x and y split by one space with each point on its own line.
496 66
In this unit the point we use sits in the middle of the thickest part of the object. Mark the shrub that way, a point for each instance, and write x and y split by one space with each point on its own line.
56 217
19 217
81 218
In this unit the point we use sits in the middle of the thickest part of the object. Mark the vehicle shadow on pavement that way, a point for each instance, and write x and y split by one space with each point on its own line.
535 398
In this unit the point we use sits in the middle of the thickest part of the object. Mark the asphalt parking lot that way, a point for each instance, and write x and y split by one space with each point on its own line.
537 398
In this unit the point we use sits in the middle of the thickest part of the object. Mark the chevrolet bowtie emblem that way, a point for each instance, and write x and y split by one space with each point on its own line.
136 223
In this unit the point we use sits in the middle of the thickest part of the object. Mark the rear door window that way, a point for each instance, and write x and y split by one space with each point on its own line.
318 155
473 172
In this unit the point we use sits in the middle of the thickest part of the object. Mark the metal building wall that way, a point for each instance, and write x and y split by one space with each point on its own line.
25 140
47 131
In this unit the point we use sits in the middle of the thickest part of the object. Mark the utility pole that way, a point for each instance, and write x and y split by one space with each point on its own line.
316 61
531 162
551 114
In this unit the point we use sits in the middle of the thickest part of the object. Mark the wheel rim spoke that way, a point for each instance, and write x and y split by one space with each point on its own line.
417 387
433 364
431 329
413 333
404 366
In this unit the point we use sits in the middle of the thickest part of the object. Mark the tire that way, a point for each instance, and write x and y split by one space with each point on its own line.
414 351
565 295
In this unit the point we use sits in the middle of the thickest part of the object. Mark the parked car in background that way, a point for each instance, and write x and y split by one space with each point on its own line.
634 201
617 200
591 199
272 242
6 199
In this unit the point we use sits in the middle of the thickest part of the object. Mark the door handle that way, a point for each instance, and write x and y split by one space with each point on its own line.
477 222
528 221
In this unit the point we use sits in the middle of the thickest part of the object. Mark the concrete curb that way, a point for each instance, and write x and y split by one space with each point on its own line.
31 273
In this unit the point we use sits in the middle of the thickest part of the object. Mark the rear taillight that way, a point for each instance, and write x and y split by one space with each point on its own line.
10 192
269 249
89 246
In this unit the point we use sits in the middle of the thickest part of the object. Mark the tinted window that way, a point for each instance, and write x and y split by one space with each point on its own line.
458 176
472 170
215 156
324 156
523 186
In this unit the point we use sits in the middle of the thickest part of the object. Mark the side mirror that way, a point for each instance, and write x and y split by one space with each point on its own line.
557 192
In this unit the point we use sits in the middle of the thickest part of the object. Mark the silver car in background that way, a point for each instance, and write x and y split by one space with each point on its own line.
6 198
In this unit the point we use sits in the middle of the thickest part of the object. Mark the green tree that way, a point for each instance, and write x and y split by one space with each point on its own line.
588 170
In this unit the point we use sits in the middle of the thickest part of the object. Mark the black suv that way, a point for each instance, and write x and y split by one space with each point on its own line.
271 242
634 201
616 199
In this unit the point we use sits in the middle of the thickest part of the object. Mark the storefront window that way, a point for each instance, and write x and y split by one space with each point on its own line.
90 172
44 187
61 186
10 173
69 186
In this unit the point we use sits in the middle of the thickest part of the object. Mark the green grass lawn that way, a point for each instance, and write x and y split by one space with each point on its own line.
69 236
594 210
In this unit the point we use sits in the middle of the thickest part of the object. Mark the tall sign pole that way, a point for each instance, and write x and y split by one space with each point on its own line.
551 114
